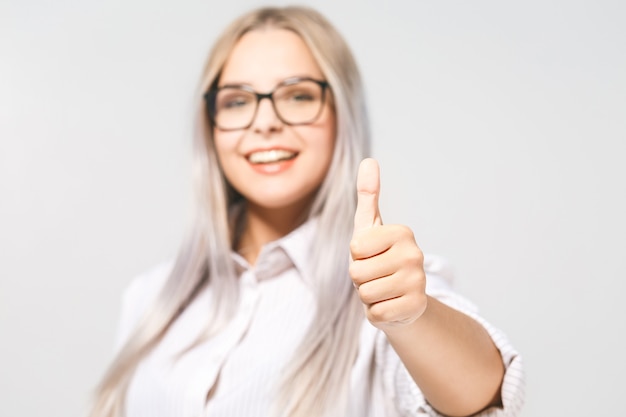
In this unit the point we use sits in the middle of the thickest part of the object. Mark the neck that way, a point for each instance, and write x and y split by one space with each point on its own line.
263 225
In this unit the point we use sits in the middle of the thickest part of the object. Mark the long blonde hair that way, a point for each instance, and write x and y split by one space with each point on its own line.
316 380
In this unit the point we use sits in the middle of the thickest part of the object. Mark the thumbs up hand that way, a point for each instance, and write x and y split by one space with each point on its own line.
450 355
387 268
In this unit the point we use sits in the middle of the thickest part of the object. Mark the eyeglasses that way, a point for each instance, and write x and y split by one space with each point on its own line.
296 101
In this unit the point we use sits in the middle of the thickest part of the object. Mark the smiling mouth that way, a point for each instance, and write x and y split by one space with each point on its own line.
271 156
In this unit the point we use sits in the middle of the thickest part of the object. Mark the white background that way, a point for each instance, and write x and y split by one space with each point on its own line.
499 126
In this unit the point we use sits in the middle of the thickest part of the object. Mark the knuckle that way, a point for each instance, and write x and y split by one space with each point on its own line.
417 255
355 271
355 246
378 313
403 232
412 258
415 283
366 294
373 315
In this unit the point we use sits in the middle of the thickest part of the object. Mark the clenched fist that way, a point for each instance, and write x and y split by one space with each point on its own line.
387 268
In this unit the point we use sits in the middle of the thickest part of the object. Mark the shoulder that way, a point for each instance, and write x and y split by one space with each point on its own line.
438 268
440 279
140 293
145 287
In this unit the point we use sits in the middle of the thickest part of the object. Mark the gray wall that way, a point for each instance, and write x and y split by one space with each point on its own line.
499 127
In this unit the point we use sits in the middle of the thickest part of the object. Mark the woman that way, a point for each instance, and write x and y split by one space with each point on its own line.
262 312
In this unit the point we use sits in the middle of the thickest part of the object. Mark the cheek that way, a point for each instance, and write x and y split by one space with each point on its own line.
323 157
225 144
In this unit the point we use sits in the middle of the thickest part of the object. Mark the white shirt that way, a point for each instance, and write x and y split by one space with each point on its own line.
243 363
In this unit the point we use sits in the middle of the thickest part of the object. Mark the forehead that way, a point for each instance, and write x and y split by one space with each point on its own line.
264 57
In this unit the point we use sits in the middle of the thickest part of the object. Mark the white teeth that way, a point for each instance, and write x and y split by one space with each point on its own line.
274 155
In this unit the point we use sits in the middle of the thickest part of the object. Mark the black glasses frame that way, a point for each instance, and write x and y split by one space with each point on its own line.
211 95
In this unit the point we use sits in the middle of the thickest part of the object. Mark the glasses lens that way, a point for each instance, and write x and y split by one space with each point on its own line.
300 102
234 108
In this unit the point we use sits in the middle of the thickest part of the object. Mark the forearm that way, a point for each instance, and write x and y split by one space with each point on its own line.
452 359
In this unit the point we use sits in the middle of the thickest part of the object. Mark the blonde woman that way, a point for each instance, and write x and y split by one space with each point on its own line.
290 296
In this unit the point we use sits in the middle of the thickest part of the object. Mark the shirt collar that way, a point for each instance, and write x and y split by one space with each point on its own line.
293 249
299 244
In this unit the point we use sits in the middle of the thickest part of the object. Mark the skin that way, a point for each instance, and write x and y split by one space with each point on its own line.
449 355
276 199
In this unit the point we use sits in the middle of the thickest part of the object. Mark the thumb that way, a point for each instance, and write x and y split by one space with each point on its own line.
368 189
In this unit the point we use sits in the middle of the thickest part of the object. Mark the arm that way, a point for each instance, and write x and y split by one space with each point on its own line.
451 358
448 354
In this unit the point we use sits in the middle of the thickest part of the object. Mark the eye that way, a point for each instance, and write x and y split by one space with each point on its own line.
233 100
298 94
302 96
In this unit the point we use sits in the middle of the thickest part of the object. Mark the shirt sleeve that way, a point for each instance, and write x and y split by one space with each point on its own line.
410 401
136 298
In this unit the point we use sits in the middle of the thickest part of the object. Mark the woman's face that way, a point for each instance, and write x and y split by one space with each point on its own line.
272 164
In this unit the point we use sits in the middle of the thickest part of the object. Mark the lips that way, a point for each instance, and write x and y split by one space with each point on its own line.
271 156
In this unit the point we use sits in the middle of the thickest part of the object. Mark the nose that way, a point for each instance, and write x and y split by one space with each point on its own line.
266 120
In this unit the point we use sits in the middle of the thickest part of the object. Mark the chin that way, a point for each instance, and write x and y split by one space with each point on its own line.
282 201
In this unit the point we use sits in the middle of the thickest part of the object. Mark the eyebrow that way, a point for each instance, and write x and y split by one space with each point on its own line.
236 84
